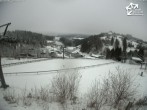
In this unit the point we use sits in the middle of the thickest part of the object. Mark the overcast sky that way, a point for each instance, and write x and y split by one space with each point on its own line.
74 16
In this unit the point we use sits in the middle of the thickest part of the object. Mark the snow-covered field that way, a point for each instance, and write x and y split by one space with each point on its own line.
12 60
88 75
54 64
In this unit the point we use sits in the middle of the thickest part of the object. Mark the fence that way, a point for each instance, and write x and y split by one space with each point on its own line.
32 61
59 70
24 62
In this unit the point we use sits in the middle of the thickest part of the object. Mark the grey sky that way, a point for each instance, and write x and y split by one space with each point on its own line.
74 16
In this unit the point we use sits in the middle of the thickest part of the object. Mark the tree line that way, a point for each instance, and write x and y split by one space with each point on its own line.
18 41
27 37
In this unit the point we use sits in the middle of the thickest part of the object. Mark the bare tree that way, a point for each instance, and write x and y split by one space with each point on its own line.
65 86
115 91
121 87
97 96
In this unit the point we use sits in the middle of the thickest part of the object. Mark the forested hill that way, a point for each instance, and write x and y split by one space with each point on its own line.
114 45
28 37
92 43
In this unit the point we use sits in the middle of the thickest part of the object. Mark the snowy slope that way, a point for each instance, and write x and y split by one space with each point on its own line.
120 38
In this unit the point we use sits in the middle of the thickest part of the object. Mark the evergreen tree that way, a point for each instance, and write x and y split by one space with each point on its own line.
98 44
116 45
117 53
112 41
141 53
85 46
112 54
124 44
108 55
124 55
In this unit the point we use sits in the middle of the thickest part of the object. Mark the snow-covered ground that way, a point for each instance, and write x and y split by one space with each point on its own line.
88 75
54 64
12 60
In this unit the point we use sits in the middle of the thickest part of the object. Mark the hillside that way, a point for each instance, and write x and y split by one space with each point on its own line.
114 45
18 41
28 37
108 44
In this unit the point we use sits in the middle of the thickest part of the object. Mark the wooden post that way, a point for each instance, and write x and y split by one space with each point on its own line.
4 85
63 52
